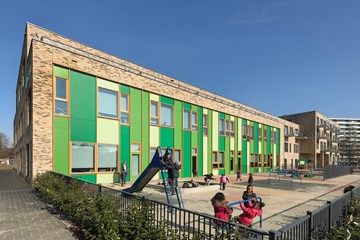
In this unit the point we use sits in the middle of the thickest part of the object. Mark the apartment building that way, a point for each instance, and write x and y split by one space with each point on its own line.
349 139
81 112
319 137
292 137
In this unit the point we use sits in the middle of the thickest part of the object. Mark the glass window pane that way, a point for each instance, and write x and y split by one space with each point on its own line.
205 131
107 157
154 109
152 153
135 160
221 160
124 102
205 120
108 103
194 151
214 157
222 127
135 147
60 88
154 121
82 157
124 118
186 119
61 107
166 115
176 155
194 121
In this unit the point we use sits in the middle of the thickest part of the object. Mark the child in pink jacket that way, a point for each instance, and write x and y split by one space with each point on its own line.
223 180
221 209
250 212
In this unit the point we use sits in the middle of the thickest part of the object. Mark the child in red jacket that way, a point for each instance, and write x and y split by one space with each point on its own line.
249 213
221 210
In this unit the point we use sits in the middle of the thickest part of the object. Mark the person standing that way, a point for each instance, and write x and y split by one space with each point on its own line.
195 173
123 173
238 176
173 171
223 180
251 179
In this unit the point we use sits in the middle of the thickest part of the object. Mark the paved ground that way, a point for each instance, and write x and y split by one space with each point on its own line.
23 216
284 202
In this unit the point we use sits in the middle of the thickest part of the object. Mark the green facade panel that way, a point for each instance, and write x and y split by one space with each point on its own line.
82 107
227 155
166 100
200 149
187 106
256 138
178 129
209 147
186 167
61 145
61 72
166 137
124 89
145 129
125 147
86 177
135 112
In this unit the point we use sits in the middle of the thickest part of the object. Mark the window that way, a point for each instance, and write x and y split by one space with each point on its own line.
108 103
260 134
61 102
286 147
215 160
227 128
194 151
186 116
251 132
205 124
166 115
135 164
154 113
289 147
107 158
135 147
176 156
82 157
255 160
231 160
194 121
124 110
274 136
221 159
265 135
244 131
221 127
286 131
296 148
232 131
152 153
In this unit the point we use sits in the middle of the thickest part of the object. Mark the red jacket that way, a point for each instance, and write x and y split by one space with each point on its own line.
221 211
249 213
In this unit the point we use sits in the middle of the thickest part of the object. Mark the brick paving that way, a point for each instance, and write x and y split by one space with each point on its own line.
23 215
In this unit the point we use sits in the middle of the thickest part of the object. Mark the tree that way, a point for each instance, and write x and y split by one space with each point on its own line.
5 150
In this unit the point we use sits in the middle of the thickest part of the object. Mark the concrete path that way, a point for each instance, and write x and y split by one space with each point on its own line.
23 215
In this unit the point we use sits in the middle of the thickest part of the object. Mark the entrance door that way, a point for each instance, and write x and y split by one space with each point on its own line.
194 164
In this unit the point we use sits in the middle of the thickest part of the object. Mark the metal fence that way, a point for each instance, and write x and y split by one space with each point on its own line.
336 171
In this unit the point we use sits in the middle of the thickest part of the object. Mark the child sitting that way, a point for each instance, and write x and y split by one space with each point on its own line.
221 210
223 180
249 213
248 194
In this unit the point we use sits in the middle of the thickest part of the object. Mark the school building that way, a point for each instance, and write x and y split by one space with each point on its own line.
81 112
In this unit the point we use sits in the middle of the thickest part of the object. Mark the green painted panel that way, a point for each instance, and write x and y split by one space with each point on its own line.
244 156
194 108
194 139
145 130
221 143
186 168
254 170
278 141
124 89
83 107
135 106
125 147
221 171
256 138
221 115
86 177
251 141
200 149
166 137
236 129
209 147
269 139
61 145
178 125
271 143
187 106
61 72
227 155
167 100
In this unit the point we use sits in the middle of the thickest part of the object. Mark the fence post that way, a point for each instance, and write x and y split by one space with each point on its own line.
99 188
330 215
310 227
273 234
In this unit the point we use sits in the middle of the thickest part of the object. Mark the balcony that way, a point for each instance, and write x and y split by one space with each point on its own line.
300 136
322 136
325 149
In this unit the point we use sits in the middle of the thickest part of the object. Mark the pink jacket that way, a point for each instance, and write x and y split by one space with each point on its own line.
249 213
224 179
222 211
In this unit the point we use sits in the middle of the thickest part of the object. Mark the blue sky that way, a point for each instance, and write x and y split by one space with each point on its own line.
305 53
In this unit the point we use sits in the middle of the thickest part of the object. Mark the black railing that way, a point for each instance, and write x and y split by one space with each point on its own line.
336 171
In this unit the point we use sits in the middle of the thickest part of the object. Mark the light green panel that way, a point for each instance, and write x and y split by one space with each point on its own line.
135 106
194 139
256 138
186 165
178 125
227 155
232 143
85 177
107 131
252 141
154 97
145 129
108 178
194 108
239 133
201 144
215 131
154 136
61 72
107 84
209 138
61 145
205 155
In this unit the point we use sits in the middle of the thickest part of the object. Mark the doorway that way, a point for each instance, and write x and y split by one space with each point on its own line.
194 164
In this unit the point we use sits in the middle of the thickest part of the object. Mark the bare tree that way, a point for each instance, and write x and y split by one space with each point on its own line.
5 150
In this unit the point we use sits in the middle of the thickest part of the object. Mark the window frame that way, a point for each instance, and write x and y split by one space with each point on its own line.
172 115
189 119
55 98
95 160
205 124
232 128
117 159
117 102
158 113
194 126
123 111
222 120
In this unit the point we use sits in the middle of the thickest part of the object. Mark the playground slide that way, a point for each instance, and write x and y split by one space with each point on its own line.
146 175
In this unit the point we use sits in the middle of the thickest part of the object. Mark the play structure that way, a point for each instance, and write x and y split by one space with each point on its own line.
151 170
244 201
283 175
304 166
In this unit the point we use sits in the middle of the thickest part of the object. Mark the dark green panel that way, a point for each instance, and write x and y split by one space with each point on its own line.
244 156
221 143
269 140
145 130
278 141
178 124
251 141
227 155
125 147
61 145
83 107
209 147
221 115
135 100
166 137
236 129
86 177
124 89
256 138
167 100
186 170
187 106
200 152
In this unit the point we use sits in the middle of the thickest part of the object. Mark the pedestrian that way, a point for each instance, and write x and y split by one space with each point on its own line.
195 172
249 213
251 179
123 173
248 194
223 180
238 176
173 171
208 178
221 210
